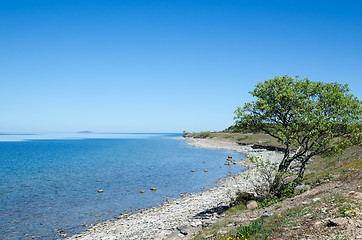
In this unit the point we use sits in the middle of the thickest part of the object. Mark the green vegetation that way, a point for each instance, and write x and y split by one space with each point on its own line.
249 230
243 197
324 167
242 138
308 118
297 220
319 126
198 135
236 209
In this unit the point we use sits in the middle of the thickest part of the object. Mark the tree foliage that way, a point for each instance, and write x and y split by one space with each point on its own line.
308 118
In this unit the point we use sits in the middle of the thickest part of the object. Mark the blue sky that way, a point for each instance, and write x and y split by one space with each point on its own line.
163 66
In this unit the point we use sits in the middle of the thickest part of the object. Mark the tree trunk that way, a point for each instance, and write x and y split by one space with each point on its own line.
301 171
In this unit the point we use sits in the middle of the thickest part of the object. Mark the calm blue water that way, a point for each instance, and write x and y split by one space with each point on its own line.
53 184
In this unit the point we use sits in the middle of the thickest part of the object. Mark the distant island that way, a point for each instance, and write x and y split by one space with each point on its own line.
85 132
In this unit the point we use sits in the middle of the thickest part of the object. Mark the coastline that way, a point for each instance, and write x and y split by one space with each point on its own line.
179 218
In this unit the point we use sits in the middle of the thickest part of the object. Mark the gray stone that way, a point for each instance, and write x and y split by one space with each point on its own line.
173 235
118 230
183 229
196 223
267 214
316 199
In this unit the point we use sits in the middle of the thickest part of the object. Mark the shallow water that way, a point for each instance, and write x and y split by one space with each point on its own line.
52 184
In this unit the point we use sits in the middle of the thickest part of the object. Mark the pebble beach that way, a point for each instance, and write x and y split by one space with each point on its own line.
180 218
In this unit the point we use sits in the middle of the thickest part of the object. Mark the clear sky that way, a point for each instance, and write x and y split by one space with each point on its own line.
163 66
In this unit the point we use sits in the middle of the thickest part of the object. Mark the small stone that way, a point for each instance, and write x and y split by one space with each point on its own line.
318 223
341 221
196 223
316 199
118 230
331 224
238 222
251 204
100 190
267 214
358 195
183 229
153 189
173 235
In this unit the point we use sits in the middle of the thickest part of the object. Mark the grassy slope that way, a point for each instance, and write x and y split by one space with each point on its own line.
248 138
333 178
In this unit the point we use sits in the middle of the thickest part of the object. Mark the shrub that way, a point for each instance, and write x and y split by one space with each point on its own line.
243 198
205 134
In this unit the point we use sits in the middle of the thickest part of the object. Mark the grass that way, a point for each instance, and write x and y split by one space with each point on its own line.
357 164
324 166
298 221
236 209
244 232
246 138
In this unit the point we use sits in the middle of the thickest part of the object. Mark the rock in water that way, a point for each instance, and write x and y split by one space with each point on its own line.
153 189
100 190
142 191
205 170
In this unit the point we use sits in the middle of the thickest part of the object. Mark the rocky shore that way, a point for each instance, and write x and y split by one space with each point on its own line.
179 218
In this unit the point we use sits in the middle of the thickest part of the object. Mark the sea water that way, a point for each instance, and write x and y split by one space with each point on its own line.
49 182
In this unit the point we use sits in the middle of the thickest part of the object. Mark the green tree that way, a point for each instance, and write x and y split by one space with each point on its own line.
308 118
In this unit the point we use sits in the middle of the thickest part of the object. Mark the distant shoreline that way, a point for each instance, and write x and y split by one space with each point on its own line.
165 221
